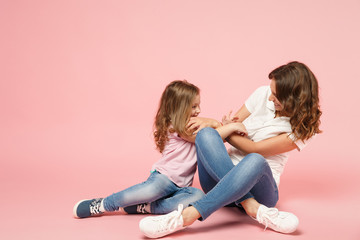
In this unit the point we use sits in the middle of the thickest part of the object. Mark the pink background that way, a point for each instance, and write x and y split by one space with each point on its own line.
80 83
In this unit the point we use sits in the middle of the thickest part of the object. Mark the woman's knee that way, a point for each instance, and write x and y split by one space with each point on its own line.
205 134
255 159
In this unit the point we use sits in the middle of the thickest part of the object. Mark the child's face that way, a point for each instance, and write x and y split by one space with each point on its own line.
195 107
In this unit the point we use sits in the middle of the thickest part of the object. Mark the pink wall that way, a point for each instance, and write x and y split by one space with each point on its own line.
80 80
77 75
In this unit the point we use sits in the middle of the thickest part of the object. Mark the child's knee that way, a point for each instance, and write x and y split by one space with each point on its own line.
195 193
199 194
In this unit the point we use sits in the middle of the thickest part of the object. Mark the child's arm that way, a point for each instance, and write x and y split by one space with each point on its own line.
195 124
236 128
224 131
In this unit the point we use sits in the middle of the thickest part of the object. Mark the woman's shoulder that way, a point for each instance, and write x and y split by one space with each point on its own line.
301 144
257 98
260 93
262 90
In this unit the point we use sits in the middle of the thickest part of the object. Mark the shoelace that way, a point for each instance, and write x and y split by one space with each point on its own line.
95 206
141 208
266 217
169 222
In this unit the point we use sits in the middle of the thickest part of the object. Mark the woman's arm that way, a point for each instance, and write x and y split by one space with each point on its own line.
241 114
268 147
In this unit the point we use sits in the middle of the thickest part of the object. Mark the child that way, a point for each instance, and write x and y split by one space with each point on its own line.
171 177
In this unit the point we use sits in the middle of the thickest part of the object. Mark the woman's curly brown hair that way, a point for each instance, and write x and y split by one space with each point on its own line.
174 111
298 91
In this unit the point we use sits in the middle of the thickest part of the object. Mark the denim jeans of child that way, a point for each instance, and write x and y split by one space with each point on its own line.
225 183
163 195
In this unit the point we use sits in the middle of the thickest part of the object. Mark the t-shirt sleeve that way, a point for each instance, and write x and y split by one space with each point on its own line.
256 97
300 143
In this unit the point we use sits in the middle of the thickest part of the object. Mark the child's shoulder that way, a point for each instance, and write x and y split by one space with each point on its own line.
173 135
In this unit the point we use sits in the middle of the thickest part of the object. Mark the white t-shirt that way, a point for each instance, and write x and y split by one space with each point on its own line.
262 124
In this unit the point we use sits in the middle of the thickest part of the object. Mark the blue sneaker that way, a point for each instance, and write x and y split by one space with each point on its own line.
87 208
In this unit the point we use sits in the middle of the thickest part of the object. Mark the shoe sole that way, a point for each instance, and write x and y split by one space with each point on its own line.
76 206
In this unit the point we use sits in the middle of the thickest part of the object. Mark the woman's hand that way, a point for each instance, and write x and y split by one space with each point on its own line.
195 124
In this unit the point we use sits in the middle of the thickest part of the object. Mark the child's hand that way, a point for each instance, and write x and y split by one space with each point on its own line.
228 119
240 128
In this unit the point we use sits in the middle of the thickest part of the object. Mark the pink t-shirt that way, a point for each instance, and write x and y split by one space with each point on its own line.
178 161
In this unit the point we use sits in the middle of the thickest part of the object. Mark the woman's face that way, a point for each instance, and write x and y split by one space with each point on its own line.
272 98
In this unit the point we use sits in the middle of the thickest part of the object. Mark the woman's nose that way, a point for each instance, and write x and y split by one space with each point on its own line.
271 98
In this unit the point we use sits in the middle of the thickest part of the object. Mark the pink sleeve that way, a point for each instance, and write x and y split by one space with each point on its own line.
299 143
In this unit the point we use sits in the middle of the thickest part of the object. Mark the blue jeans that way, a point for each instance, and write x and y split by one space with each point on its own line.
163 195
225 183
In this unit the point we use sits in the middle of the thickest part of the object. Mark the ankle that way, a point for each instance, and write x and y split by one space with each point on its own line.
190 215
251 207
102 207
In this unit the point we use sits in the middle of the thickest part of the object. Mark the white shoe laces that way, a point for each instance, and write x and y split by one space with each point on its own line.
141 208
169 221
279 221
95 206
268 217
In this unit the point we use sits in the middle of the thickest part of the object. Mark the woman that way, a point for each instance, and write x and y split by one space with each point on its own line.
278 119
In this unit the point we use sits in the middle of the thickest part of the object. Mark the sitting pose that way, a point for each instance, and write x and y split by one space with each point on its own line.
278 118
171 177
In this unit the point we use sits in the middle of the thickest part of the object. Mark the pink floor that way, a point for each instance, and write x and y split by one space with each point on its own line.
39 206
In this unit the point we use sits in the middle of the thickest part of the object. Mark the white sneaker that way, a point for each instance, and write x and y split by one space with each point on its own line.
283 222
159 226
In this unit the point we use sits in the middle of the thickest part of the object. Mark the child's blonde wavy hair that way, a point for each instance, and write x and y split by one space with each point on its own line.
174 111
